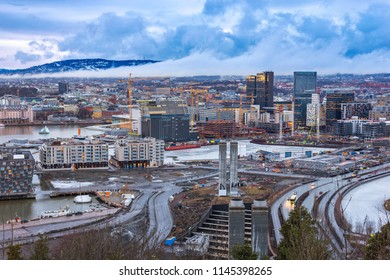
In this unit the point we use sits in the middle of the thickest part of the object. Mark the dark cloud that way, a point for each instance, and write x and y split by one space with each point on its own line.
265 30
26 57
33 24
111 35
371 33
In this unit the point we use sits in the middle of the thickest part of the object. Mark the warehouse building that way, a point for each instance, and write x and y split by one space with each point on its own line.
323 162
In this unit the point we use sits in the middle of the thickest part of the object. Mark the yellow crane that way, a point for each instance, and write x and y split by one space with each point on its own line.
130 102
195 105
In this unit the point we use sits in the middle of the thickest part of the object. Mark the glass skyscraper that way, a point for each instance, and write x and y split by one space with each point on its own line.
260 87
304 85
333 104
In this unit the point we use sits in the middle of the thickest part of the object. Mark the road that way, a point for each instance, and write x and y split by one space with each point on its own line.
329 188
160 218
153 195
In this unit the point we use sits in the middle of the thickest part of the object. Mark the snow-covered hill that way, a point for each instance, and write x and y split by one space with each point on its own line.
75 65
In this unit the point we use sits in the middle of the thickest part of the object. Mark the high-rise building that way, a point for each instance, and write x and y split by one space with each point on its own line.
334 99
63 88
260 87
304 81
315 112
166 119
301 104
305 84
16 173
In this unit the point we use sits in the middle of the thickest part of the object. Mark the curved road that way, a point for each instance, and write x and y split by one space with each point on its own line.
329 187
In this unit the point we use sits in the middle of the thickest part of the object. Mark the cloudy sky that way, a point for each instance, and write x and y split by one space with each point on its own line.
226 37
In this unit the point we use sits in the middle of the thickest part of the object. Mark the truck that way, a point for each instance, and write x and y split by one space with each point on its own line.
170 241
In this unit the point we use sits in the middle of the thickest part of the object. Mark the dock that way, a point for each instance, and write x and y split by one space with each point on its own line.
72 193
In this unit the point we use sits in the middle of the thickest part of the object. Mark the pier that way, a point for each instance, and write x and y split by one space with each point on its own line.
72 193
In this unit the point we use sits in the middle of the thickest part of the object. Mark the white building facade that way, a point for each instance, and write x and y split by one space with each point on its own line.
74 155
138 153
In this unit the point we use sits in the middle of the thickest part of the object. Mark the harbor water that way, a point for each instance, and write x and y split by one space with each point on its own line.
32 208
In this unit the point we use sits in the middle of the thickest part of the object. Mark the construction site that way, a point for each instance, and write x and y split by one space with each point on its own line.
222 208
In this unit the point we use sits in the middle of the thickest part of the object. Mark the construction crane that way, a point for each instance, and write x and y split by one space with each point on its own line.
195 106
252 109
293 116
240 108
130 102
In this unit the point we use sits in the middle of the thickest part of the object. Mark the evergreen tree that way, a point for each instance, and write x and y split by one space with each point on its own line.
243 252
378 246
14 252
300 238
40 249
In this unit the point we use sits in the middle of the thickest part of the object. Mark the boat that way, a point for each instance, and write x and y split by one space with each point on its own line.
55 213
2 125
82 199
182 146
79 137
44 130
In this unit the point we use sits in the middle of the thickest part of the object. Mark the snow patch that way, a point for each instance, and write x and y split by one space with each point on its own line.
70 184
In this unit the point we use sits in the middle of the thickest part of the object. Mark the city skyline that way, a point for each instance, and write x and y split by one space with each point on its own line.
201 37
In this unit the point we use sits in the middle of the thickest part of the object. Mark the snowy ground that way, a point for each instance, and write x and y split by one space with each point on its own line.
70 184
366 203
245 148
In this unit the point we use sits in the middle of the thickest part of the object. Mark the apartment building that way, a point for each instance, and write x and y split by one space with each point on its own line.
12 112
138 153
59 155
16 173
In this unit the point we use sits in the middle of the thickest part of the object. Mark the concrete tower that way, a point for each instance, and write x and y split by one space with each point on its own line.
260 227
233 168
222 169
236 222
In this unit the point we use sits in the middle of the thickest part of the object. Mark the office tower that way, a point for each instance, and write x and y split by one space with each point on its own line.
63 88
301 104
260 88
166 119
334 99
304 86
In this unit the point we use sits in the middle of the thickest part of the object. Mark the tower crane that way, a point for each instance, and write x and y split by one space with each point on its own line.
195 106
130 104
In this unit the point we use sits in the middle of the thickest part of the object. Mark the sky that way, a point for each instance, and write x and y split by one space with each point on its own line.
201 37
